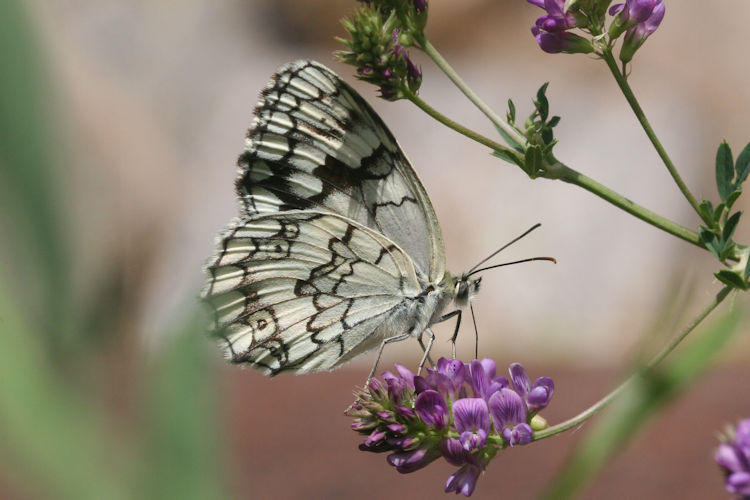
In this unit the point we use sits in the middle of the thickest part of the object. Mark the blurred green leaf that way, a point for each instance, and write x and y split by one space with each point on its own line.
29 182
742 167
731 278
724 170
648 392
182 453
56 435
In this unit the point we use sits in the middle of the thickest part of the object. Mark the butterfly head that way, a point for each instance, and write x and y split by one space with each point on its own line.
465 289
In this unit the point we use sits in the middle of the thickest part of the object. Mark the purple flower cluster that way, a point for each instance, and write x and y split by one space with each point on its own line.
459 411
378 47
638 19
551 31
733 456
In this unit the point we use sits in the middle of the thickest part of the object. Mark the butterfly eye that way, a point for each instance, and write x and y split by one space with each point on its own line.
475 285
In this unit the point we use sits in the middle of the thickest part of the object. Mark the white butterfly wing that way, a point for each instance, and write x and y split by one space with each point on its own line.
316 144
337 240
306 291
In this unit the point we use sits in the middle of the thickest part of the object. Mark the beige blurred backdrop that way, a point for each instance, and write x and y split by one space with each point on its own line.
157 97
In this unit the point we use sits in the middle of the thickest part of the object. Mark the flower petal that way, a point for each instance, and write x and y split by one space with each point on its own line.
471 414
541 393
464 480
410 461
453 451
507 409
738 483
521 381
432 409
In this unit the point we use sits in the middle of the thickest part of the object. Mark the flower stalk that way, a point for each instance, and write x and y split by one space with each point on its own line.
655 361
627 91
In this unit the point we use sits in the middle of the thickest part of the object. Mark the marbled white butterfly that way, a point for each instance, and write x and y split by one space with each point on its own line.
337 249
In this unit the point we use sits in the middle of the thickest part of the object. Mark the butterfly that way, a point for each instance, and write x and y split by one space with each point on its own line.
337 249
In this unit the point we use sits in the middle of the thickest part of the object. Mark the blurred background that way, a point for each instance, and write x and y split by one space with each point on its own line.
122 122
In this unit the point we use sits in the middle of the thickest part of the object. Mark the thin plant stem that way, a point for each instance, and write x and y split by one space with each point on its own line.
500 123
495 146
564 173
567 174
558 170
658 358
622 82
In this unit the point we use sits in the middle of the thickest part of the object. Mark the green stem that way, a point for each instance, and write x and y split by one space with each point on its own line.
558 170
622 82
500 123
567 174
606 400
495 146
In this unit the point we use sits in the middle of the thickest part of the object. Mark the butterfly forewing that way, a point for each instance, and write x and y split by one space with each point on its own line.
336 241
316 144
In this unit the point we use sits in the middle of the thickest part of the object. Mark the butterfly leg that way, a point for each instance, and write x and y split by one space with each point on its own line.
444 317
424 349
396 338
426 355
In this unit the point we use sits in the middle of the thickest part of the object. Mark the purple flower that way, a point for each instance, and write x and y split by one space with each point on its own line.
556 19
449 412
733 456
551 31
483 380
464 480
410 461
509 415
536 396
636 36
634 11
472 420
420 5
432 409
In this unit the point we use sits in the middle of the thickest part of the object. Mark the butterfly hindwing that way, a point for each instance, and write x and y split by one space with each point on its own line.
305 290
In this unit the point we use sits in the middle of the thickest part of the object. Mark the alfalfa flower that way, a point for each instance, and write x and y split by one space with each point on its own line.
638 19
551 31
733 456
461 412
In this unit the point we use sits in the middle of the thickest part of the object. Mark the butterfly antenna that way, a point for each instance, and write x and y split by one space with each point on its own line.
551 259
476 332
472 270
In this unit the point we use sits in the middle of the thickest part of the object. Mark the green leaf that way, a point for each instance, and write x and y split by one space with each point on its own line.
733 197
509 158
742 167
511 142
541 103
548 136
511 114
533 161
706 209
553 121
731 278
724 171
718 213
709 240
730 226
